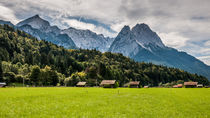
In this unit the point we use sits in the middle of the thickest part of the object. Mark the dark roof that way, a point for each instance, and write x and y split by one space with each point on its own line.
81 83
107 82
134 83
190 83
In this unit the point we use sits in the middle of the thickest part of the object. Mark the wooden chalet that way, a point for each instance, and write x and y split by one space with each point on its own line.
190 84
81 84
108 83
134 84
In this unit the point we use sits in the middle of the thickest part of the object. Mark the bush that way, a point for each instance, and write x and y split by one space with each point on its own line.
116 85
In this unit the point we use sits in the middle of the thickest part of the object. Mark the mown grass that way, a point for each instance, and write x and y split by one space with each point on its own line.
108 103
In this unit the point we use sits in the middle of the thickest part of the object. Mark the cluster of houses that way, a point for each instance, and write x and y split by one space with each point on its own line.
189 85
132 84
135 84
111 84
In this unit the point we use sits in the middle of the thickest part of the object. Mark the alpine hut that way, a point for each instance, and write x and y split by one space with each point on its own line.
81 84
190 84
108 83
134 84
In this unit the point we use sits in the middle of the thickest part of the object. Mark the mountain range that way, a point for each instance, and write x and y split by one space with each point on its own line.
139 43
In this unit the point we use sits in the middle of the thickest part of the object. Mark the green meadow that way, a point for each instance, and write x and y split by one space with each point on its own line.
66 102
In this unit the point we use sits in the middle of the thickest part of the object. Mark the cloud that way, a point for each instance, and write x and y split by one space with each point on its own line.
207 43
173 39
79 25
206 59
82 25
182 24
7 14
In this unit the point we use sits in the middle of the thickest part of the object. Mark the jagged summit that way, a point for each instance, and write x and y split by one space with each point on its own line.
36 16
146 36
126 28
141 26
142 34
36 22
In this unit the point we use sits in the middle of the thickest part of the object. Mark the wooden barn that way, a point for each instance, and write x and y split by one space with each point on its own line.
134 84
190 84
146 86
81 84
108 83
2 84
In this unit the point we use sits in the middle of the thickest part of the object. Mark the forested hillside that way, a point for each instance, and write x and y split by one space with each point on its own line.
37 62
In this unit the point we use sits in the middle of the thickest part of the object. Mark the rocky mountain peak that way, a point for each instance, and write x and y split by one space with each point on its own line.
146 36
36 22
125 30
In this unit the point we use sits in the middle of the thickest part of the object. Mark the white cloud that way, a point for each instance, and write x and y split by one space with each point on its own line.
79 25
179 22
7 14
207 43
205 59
82 25
173 39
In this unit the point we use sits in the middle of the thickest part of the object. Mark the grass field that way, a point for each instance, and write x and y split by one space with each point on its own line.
108 103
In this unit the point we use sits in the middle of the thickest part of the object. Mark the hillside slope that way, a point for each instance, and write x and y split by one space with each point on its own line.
20 48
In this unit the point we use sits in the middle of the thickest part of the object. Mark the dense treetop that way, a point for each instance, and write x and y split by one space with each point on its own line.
37 62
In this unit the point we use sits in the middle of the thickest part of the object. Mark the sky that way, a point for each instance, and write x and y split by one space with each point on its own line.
181 24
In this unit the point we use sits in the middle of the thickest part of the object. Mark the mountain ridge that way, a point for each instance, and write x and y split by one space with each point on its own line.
21 51
143 45
139 42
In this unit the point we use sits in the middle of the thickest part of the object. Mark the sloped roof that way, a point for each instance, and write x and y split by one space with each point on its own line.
134 82
190 83
107 82
200 85
175 86
81 83
179 85
2 83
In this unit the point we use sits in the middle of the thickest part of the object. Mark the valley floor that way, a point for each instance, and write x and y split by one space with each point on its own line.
109 103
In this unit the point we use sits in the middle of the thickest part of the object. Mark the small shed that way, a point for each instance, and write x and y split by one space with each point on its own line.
175 86
81 84
179 86
190 84
108 83
2 84
134 84
200 85
146 86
